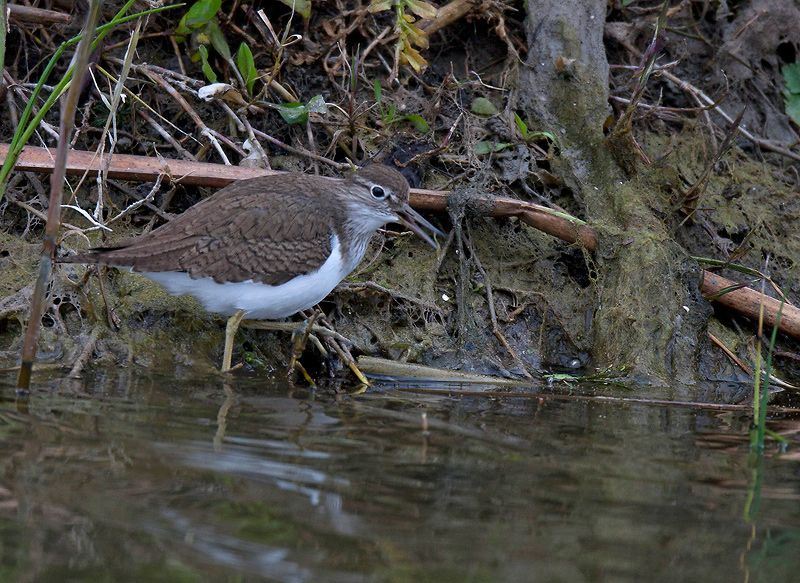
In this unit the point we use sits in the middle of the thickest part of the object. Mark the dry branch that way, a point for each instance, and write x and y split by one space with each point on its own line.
747 302
21 13
448 14
135 168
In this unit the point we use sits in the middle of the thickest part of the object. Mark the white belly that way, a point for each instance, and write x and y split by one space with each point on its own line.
259 301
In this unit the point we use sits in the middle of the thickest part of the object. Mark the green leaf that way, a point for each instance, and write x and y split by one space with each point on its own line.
201 13
535 136
302 7
376 90
418 122
521 126
218 40
207 70
247 66
489 147
482 106
791 76
293 113
182 31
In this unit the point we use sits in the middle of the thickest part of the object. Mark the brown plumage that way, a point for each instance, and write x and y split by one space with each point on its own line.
267 229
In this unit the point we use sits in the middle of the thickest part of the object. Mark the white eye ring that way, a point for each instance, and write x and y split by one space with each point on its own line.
378 192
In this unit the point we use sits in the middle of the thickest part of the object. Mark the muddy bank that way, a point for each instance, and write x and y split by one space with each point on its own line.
500 298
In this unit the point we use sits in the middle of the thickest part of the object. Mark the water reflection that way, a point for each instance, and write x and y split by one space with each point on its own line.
128 477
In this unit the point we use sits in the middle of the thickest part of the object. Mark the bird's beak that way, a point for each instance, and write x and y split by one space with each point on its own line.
417 223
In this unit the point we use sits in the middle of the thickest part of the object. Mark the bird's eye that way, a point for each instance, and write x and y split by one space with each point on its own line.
378 192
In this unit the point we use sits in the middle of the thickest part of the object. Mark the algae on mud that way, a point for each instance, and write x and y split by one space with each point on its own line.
643 279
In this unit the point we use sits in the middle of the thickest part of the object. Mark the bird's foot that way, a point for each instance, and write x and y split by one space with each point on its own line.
317 330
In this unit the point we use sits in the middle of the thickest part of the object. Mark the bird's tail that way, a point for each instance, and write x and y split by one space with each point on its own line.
92 256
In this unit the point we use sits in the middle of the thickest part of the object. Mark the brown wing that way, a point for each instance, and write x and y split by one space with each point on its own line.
257 229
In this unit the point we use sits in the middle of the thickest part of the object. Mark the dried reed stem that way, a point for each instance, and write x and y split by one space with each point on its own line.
67 123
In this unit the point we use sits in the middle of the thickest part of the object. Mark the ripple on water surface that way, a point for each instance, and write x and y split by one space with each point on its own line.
127 477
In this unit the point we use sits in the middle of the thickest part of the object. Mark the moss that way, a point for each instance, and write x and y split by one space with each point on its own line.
18 260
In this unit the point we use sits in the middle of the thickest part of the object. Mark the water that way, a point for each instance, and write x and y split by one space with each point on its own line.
126 477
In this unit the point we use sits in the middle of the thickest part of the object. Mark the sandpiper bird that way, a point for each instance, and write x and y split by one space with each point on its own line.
268 247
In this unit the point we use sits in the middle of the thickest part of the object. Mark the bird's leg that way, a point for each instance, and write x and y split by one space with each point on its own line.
299 344
230 332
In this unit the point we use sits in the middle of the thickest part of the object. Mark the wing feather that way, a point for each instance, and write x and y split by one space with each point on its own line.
235 236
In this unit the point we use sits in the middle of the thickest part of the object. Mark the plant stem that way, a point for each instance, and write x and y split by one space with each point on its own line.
3 28
66 126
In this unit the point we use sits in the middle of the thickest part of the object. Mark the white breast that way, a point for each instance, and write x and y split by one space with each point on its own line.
260 301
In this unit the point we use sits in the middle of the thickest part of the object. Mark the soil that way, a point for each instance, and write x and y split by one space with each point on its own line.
559 78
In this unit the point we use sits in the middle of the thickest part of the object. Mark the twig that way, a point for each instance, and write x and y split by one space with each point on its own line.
747 302
743 365
204 129
141 102
255 143
762 143
176 145
150 196
137 168
86 353
375 41
498 333
371 285
448 14
692 196
111 120
493 394
132 193
17 89
188 84
177 52
22 13
40 214
344 355
85 215
383 368
317 329
701 97
300 151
